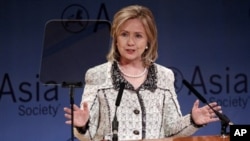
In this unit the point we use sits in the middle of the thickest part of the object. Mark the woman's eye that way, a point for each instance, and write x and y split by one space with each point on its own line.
138 36
124 34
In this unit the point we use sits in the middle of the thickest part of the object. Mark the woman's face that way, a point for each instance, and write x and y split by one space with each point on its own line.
131 40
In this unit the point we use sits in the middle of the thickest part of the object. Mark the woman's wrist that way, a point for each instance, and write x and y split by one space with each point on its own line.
83 129
194 124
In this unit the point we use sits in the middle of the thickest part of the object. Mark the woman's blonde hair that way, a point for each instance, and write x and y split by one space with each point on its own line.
145 15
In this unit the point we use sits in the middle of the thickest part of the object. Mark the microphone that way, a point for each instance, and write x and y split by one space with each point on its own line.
119 96
221 116
115 123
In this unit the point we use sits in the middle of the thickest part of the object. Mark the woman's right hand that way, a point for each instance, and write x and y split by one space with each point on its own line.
81 116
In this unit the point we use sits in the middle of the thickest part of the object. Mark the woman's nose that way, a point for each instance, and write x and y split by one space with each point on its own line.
130 41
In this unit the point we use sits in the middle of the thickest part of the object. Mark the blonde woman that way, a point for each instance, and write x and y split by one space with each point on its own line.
149 108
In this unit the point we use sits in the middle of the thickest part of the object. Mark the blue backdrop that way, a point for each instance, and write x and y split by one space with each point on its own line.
205 42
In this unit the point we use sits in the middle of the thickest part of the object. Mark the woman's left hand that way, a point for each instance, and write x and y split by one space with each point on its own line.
205 114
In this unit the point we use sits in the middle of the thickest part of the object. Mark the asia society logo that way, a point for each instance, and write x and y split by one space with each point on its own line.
228 88
72 16
178 79
33 98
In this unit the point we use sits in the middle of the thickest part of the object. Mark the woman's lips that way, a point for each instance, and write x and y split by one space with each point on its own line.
130 51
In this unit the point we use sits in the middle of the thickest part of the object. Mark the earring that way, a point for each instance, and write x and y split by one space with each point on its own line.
146 47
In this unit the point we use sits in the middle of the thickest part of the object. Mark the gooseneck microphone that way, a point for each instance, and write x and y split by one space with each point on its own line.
221 116
115 123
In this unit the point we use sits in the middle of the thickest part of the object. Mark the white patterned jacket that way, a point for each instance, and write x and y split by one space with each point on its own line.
149 112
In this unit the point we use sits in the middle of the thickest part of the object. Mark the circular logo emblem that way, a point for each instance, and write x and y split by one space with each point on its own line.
74 18
178 79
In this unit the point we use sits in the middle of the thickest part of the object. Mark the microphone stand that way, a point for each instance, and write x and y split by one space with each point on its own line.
224 121
71 87
224 125
115 125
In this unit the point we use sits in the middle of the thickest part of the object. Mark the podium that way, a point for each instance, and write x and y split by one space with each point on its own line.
203 138
194 138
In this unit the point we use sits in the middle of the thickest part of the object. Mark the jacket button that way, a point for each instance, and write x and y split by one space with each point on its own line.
136 132
136 111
